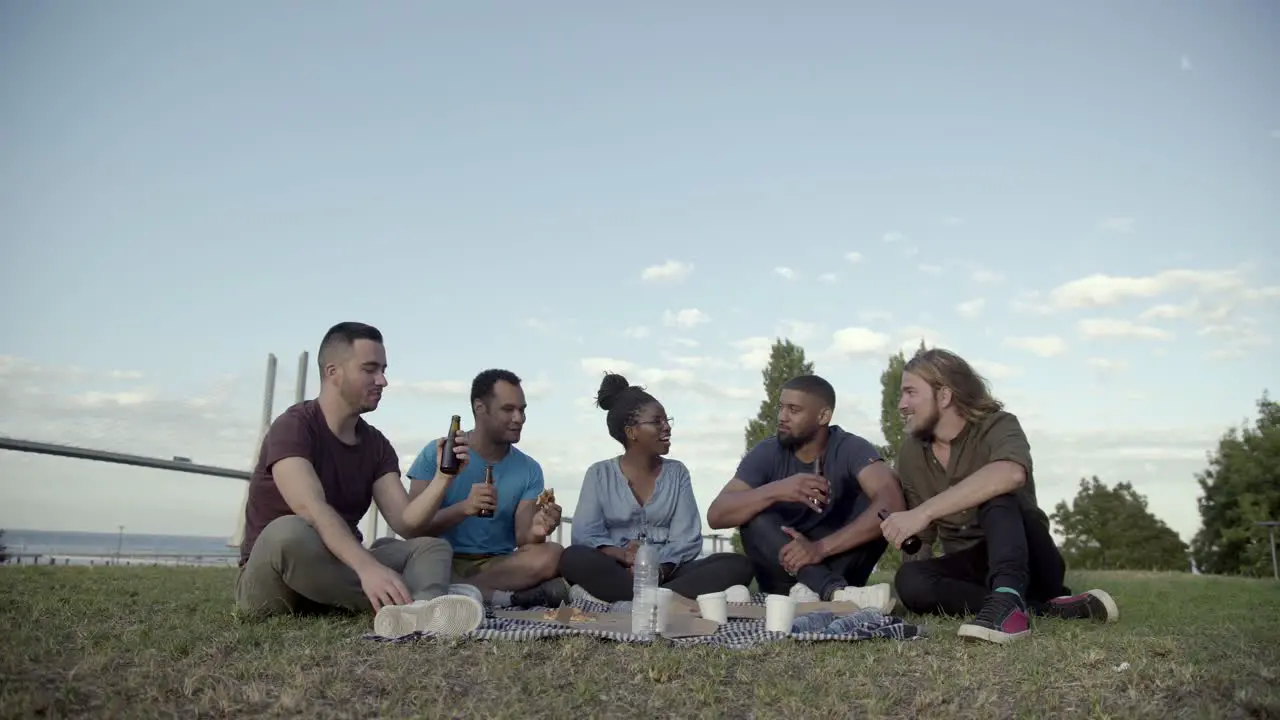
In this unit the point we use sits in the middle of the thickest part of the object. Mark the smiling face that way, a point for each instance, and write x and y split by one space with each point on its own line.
919 407
503 415
650 432
360 375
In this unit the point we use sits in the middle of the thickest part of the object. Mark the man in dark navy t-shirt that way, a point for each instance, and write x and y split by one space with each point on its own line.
806 503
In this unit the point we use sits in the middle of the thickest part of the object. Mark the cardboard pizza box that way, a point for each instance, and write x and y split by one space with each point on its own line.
756 612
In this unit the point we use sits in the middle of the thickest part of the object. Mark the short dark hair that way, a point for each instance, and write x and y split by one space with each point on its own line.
482 387
344 335
814 386
622 403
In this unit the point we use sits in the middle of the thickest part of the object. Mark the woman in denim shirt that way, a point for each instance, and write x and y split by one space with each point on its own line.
641 490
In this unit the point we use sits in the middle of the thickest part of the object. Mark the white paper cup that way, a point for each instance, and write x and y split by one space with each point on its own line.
664 608
779 613
713 607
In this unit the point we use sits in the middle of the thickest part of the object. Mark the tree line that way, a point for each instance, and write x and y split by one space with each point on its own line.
1110 527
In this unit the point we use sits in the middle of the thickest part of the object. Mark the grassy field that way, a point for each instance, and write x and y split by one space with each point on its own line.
161 641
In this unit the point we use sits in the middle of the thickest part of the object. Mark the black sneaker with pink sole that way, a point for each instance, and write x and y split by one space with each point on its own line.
1003 618
1096 605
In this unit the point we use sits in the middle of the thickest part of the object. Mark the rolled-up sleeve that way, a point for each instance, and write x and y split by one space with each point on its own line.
1005 440
589 529
684 543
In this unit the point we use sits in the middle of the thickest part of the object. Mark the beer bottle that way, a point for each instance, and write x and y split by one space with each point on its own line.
449 463
911 545
488 480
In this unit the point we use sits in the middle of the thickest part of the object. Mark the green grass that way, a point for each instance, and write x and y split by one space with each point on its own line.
163 641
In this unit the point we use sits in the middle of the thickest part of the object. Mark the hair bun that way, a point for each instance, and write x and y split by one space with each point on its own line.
611 387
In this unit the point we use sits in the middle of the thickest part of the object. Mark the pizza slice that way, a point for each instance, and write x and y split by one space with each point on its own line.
545 498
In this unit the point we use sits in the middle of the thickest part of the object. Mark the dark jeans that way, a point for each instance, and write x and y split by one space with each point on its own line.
1018 553
609 580
763 540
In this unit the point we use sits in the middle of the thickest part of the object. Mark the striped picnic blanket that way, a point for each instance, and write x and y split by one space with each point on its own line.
737 634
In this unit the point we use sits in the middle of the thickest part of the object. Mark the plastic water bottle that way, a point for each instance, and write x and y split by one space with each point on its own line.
644 601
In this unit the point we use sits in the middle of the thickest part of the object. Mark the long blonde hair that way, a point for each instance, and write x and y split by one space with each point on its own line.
969 391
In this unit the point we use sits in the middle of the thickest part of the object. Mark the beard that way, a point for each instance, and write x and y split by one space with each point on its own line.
925 425
791 441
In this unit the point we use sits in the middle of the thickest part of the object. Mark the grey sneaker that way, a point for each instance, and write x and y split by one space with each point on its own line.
550 594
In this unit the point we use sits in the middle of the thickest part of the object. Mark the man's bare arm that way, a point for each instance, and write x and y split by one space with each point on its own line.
301 489
441 521
990 480
524 523
738 503
880 483
409 517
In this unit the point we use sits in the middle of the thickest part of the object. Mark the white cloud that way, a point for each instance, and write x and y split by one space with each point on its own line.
602 365
910 337
1100 290
785 273
754 352
683 342
855 342
1120 225
954 221
1044 346
853 257
930 269
1114 328
869 316
971 308
798 331
682 378
686 318
1184 62
996 371
829 278
533 323
1108 366
669 271
986 276
638 332
893 237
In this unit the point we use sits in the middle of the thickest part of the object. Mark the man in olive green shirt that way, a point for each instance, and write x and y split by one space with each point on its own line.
966 474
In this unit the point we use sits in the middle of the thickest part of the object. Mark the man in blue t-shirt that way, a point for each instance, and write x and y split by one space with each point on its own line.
809 529
505 555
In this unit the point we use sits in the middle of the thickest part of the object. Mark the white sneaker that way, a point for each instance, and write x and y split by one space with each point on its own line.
801 593
737 594
874 596
447 615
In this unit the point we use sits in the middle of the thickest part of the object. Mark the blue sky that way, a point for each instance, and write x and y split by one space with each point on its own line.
1074 198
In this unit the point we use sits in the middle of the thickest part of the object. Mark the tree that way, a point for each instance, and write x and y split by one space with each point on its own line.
1241 487
786 361
4 551
1112 529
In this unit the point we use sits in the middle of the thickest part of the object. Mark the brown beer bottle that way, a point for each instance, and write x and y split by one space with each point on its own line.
449 464
911 545
488 480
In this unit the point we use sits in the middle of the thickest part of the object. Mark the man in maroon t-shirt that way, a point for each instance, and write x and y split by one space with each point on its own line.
320 467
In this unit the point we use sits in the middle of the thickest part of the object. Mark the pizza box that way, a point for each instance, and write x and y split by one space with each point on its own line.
756 612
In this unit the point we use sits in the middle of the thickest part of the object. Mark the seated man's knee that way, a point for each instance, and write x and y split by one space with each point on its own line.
289 535
545 559
1007 501
914 584
429 546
